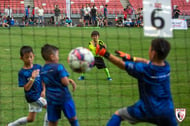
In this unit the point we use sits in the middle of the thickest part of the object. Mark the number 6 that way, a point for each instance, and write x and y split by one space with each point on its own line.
154 18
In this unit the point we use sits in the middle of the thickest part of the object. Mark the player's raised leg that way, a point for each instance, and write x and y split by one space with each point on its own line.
18 122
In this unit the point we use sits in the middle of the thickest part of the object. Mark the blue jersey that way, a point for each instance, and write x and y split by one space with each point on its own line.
154 90
56 92
23 77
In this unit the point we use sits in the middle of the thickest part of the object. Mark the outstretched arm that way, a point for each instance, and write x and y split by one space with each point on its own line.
115 60
142 60
128 57
121 64
100 50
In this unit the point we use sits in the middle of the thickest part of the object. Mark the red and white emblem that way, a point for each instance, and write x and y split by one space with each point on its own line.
180 114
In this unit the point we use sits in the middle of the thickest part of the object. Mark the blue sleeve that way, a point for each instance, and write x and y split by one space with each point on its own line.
134 69
21 80
37 66
62 71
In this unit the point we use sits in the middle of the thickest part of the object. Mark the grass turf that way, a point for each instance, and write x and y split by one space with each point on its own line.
96 98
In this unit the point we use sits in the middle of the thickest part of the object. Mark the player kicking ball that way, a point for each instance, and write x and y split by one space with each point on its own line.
155 104
29 78
99 61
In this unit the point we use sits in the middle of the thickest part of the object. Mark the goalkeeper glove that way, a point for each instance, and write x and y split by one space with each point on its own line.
101 50
124 56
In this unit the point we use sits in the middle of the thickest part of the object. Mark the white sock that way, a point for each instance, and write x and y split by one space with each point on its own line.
18 122
45 120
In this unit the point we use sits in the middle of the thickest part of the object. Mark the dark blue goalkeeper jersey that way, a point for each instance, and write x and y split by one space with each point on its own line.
154 89
23 77
56 92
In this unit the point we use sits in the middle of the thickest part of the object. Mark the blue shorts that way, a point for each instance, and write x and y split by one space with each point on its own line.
163 118
54 110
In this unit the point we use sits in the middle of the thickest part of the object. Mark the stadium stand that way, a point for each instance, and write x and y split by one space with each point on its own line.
137 4
77 4
184 6
113 8
16 5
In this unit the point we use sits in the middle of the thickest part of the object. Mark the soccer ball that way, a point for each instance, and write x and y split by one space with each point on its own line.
81 60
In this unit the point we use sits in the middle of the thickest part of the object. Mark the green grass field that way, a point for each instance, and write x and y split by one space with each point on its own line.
96 98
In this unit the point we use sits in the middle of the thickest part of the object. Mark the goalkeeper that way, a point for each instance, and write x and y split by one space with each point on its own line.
99 61
155 104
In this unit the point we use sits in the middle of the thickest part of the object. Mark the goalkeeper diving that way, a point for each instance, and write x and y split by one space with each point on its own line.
155 104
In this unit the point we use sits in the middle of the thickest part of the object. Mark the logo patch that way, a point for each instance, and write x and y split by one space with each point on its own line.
180 114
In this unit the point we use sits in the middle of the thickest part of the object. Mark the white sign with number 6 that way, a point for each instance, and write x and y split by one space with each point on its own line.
157 18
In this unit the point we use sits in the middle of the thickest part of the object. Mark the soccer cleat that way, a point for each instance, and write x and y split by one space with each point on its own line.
81 78
109 78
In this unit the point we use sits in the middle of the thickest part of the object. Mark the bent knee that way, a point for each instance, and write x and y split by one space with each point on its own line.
30 119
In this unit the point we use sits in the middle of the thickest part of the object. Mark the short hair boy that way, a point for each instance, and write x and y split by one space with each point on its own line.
29 78
55 78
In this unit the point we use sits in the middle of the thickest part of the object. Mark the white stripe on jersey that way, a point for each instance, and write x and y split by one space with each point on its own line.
161 76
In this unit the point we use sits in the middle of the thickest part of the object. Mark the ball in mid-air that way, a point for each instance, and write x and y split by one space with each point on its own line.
81 60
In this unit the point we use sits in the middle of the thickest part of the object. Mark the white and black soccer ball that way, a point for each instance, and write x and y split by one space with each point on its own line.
81 60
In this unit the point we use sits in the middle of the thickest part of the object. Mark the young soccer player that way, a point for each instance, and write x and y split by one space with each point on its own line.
55 78
155 104
99 61
29 78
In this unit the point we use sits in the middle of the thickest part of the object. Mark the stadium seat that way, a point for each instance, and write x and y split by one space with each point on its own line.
14 4
114 6
77 4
